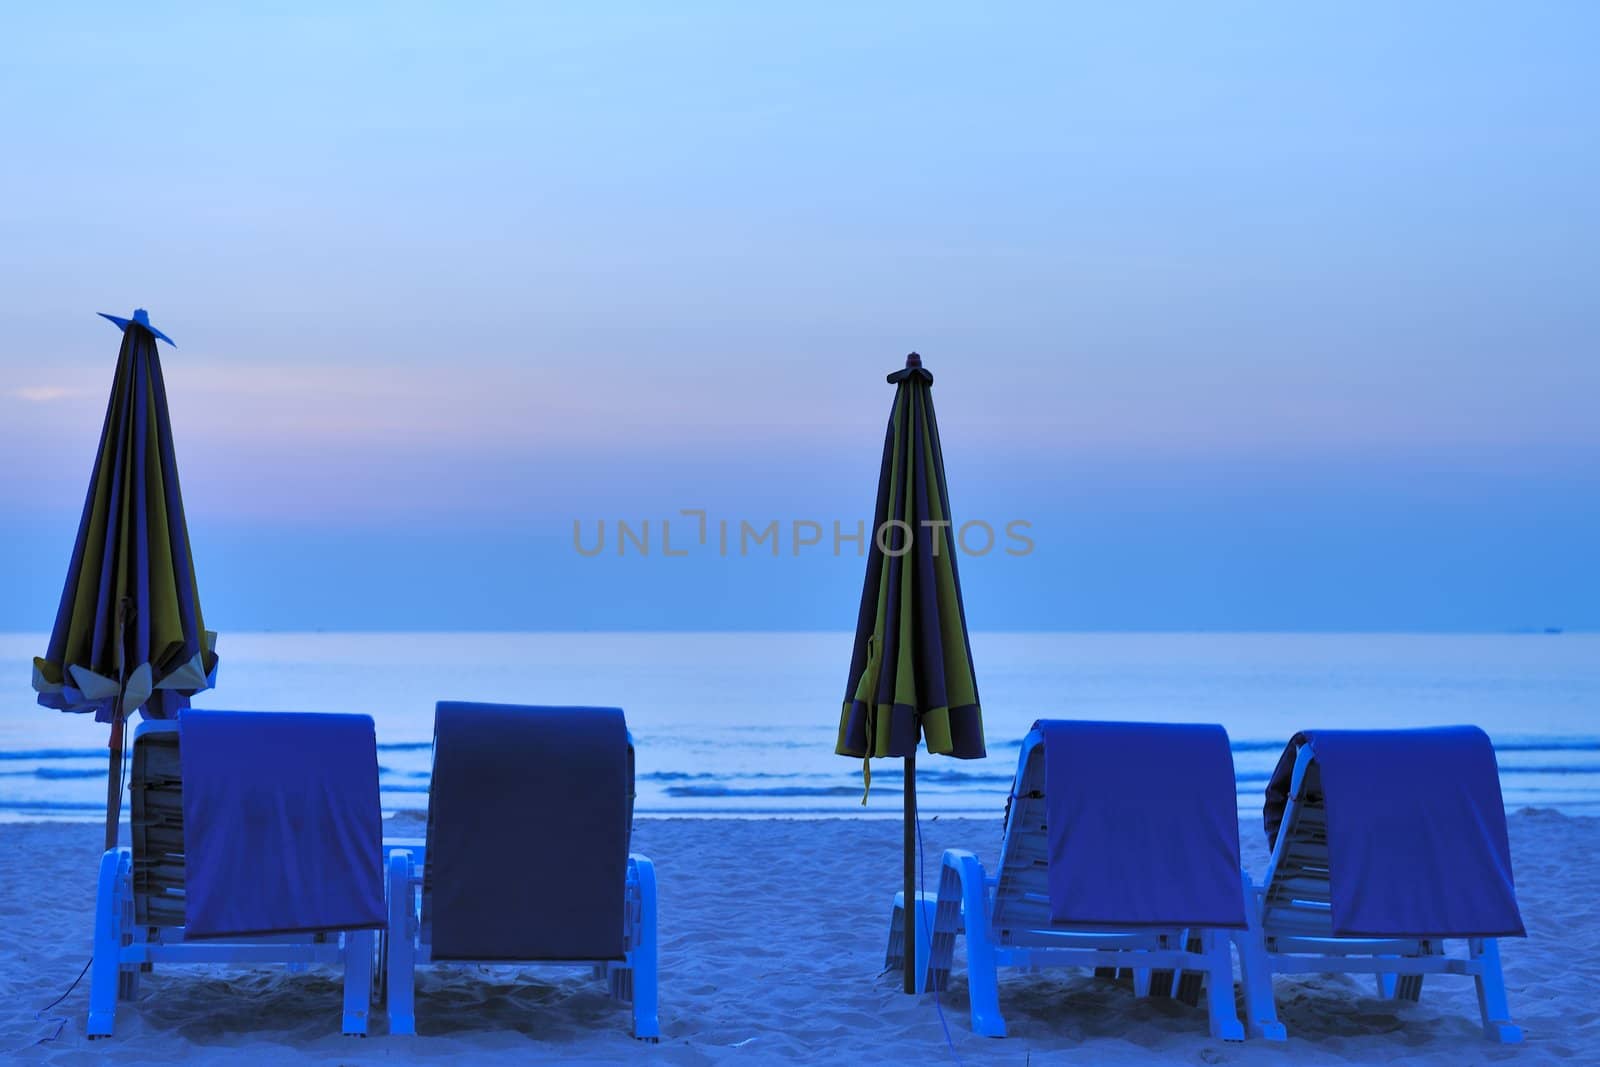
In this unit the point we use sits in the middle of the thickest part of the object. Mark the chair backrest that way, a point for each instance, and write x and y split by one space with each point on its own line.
1129 855
1022 892
155 794
529 823
1419 846
427 870
1299 896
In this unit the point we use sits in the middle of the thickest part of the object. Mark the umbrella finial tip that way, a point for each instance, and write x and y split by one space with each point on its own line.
913 360
141 316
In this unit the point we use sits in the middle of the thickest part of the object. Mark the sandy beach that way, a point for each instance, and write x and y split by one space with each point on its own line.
772 945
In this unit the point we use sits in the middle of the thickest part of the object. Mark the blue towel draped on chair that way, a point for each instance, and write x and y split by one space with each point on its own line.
1160 848
282 826
527 832
1417 842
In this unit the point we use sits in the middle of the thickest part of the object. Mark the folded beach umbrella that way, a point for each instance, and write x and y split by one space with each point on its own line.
128 635
911 677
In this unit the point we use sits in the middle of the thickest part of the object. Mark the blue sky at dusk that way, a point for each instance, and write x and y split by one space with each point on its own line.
1265 316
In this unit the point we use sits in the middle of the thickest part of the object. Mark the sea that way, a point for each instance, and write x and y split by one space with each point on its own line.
744 724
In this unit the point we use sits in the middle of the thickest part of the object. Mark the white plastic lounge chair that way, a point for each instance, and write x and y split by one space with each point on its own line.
500 796
1292 912
140 913
1007 922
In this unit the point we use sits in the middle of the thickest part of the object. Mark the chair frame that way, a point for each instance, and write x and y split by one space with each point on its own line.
1016 930
632 979
1291 923
131 934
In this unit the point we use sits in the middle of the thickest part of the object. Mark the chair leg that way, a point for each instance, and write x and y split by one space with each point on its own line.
1225 1024
1141 981
128 974
380 973
642 957
128 982
1491 982
1392 986
358 953
618 977
1255 973
1188 984
105 981
983 986
401 947
962 905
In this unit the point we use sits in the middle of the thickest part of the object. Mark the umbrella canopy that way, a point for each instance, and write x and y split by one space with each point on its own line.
128 634
911 677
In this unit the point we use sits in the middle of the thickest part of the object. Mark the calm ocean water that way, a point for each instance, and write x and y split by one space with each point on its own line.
744 724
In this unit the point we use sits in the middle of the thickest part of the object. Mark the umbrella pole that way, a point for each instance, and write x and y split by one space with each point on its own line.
912 909
114 782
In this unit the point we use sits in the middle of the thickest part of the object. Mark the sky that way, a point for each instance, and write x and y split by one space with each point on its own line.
1261 316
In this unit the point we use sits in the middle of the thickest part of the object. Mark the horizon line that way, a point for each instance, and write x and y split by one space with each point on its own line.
1520 631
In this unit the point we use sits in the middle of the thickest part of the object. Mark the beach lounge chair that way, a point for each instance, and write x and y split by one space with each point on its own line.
530 812
256 838
1120 852
1385 844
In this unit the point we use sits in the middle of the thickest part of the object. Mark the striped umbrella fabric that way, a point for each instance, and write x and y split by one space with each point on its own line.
128 634
911 678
